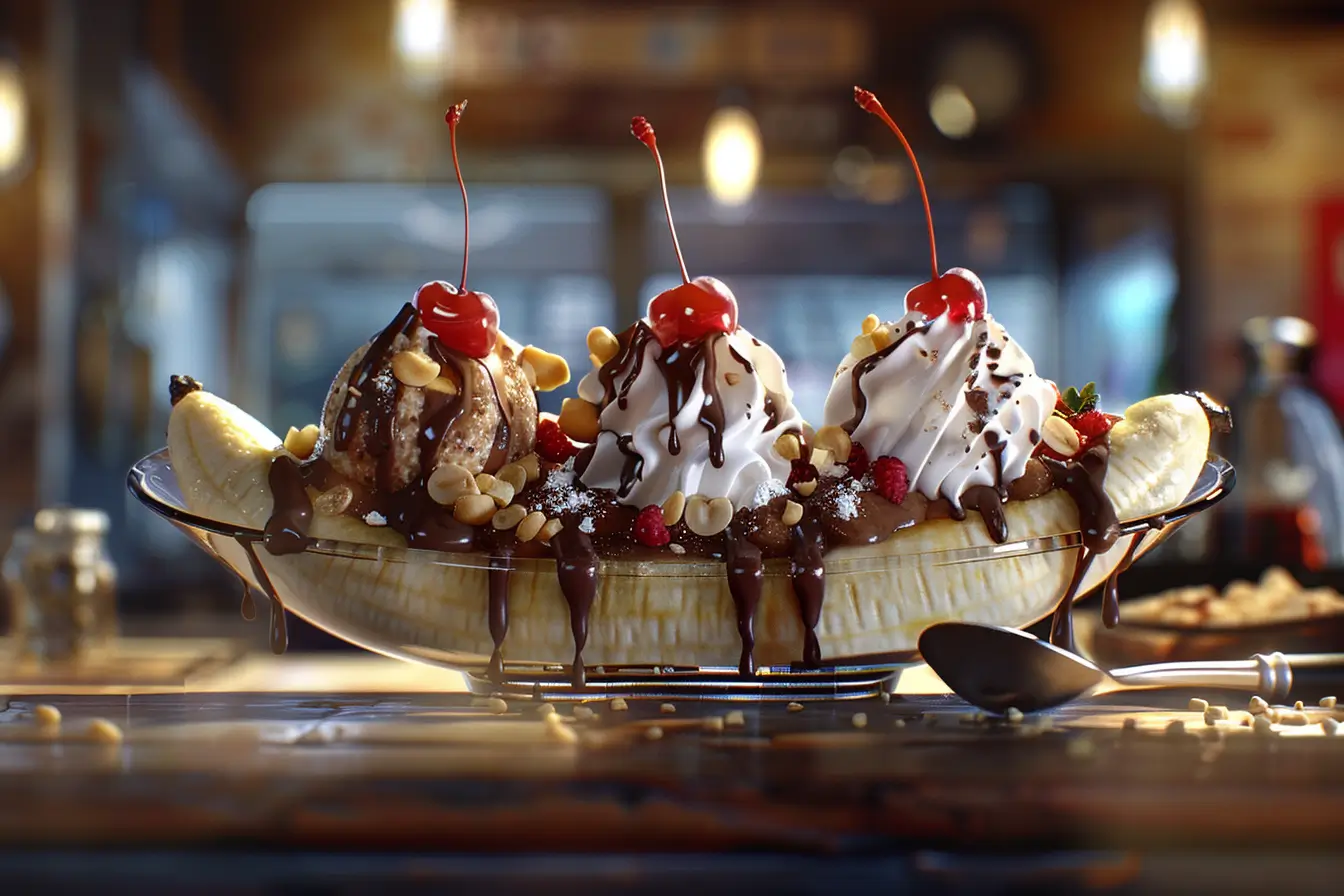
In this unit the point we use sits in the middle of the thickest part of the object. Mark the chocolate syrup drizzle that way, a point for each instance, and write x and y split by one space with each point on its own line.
746 575
1083 480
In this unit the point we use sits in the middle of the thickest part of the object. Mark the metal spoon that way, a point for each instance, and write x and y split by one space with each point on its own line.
996 668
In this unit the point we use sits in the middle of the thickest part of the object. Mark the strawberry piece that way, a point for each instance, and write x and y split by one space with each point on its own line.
800 471
552 443
650 529
891 479
1092 425
858 460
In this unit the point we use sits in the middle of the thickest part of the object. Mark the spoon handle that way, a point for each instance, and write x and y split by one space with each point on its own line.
1273 675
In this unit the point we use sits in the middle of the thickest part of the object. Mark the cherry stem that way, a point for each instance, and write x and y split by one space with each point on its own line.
643 131
453 116
868 102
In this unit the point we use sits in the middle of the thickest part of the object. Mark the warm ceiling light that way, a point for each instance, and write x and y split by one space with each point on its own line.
13 118
952 111
421 37
1174 65
731 155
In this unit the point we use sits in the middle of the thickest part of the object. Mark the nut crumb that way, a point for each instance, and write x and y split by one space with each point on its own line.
1330 727
676 548
1297 705
496 706
583 713
1013 715
546 709
1257 705
1130 724
884 696
1176 727
1263 725
859 720
794 707
667 709
1327 703
559 731
104 732
1198 704
46 716
1080 748
618 704
899 723
1292 717
735 719
653 733
712 723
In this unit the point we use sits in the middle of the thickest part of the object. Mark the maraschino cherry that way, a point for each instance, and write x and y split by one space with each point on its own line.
957 292
697 307
464 320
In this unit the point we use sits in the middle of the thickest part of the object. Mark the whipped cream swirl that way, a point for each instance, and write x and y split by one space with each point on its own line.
699 418
959 403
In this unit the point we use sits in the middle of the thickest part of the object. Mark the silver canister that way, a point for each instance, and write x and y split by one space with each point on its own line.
62 586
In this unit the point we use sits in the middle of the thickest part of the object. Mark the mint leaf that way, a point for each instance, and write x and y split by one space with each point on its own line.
1081 402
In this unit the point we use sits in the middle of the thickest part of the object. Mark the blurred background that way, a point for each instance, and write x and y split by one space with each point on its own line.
245 190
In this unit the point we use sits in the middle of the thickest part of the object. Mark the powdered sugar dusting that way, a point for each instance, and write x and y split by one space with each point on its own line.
560 493
586 525
846 504
374 518
768 491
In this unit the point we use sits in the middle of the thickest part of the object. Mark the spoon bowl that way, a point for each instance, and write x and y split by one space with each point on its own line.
996 668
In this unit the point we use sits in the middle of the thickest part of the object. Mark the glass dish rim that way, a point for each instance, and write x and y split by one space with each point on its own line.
146 478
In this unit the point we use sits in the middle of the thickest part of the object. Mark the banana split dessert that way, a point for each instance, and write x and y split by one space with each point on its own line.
679 510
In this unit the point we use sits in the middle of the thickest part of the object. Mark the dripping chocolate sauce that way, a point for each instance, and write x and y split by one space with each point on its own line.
1083 480
746 574
807 569
576 567
498 612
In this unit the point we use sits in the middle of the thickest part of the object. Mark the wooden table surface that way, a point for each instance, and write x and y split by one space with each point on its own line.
357 752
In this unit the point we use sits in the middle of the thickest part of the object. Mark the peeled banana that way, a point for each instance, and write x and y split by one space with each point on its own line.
878 598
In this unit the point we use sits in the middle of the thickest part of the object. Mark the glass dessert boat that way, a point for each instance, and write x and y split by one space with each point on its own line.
153 481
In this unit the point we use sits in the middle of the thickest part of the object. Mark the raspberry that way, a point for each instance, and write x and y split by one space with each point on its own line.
891 479
1092 425
552 444
858 460
650 528
800 471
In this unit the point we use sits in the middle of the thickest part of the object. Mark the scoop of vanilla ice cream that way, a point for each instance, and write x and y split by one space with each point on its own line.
699 419
958 402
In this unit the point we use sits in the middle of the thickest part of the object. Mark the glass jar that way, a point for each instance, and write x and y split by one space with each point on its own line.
62 586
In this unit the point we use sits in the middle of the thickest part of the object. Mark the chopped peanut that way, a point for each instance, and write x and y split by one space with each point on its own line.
551 370
449 482
708 516
414 369
509 517
549 531
673 508
834 440
301 442
579 420
602 345
474 510
514 475
788 446
530 526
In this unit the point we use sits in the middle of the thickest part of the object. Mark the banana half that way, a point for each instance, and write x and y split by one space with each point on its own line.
878 598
